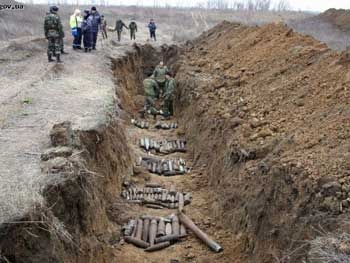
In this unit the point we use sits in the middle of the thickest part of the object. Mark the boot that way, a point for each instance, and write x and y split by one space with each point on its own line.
49 57
86 50
58 56
64 52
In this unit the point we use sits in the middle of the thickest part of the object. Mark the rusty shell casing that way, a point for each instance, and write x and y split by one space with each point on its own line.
134 229
136 242
175 225
139 229
181 202
183 231
168 229
158 246
161 228
199 233
152 231
172 238
145 229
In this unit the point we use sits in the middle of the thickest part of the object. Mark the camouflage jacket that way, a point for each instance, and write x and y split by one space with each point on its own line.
119 25
150 87
53 26
159 74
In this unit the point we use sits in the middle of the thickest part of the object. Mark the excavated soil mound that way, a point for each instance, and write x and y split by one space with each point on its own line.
337 17
267 114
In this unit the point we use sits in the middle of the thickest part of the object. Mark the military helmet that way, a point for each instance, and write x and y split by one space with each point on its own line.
53 8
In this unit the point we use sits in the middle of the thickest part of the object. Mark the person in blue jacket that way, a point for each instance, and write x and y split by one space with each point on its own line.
86 29
96 22
152 29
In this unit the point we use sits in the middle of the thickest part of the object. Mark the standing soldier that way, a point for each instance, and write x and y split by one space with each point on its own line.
152 29
133 29
159 74
119 28
103 27
96 21
86 29
151 90
75 25
168 96
53 32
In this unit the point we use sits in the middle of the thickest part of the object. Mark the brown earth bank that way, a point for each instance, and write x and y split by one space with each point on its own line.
267 115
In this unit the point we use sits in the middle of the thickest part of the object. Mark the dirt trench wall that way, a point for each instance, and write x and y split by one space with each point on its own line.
75 225
249 97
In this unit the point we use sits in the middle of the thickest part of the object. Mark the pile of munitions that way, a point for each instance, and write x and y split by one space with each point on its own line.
166 146
159 125
140 124
156 197
162 166
154 233
166 126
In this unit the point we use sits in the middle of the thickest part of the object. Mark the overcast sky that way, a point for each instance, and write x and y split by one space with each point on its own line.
305 5
310 5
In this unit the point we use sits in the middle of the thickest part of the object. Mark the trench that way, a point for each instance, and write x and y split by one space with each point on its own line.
84 212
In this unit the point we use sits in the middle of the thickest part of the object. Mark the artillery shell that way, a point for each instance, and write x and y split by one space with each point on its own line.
172 205
172 199
170 164
177 196
142 125
168 198
152 231
175 125
170 238
172 190
175 225
154 167
139 229
158 246
153 185
164 195
134 229
183 230
145 229
178 144
161 228
168 229
142 143
147 143
154 206
181 202
187 198
136 242
165 167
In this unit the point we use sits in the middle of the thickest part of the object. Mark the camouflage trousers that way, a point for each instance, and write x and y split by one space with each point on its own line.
150 106
168 109
54 46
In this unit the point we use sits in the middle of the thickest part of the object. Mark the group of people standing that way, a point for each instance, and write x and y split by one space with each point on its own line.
84 28
159 86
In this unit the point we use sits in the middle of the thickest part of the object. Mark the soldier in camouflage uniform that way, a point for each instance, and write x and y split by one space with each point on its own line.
151 90
53 33
168 96
119 28
159 74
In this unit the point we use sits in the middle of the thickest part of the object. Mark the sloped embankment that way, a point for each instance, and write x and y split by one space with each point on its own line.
267 113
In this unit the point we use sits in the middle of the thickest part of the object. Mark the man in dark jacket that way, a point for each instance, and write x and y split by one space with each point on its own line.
96 21
152 29
86 29
119 28
133 29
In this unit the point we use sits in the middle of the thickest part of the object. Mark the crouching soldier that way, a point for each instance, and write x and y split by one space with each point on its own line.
159 74
53 33
151 90
168 96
